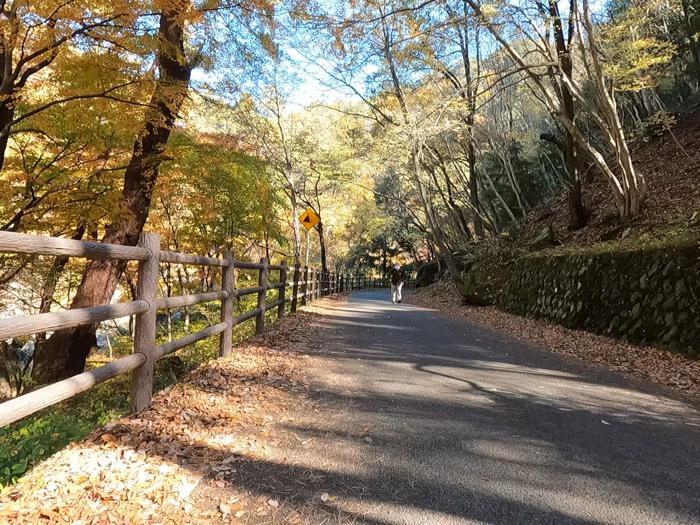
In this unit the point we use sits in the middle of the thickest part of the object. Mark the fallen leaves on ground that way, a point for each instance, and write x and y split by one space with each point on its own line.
149 468
660 366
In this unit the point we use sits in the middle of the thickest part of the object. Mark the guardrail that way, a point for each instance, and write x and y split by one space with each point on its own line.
308 284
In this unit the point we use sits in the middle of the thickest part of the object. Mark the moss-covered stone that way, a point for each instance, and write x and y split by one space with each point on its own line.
485 279
647 295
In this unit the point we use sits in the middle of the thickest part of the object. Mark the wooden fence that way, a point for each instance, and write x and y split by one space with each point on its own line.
307 285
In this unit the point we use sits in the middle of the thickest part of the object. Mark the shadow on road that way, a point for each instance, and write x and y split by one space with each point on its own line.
420 419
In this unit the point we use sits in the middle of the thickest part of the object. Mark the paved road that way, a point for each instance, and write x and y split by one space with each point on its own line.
422 419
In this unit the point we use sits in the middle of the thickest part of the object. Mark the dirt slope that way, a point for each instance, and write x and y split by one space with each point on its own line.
671 165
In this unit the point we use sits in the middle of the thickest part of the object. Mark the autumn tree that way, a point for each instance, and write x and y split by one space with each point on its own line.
33 35
628 188
65 352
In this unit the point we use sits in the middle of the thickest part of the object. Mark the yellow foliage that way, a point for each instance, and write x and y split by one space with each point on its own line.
635 56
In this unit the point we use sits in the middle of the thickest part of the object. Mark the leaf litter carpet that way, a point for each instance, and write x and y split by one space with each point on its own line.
177 461
213 449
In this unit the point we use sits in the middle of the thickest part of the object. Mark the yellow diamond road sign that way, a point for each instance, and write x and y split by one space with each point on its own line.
309 219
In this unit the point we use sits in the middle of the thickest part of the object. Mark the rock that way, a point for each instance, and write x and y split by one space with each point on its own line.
636 310
544 239
610 233
427 273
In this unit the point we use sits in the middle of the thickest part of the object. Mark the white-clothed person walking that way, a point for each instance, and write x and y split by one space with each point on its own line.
397 279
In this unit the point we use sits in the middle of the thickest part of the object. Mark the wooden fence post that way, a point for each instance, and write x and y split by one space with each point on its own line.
312 284
145 327
226 338
317 284
262 297
305 286
295 287
309 284
281 296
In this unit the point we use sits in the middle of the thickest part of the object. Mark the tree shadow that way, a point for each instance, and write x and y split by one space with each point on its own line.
478 455
417 426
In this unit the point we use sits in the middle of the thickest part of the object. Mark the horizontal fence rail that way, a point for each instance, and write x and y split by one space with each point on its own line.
306 285
34 324
44 245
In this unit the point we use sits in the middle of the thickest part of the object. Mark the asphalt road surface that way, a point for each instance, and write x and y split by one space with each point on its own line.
425 420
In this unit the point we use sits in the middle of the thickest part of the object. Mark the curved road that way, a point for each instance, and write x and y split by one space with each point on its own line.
425 420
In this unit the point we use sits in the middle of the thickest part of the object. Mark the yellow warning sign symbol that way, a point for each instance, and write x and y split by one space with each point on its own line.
309 219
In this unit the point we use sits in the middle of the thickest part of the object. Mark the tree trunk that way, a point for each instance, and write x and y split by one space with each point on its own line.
691 19
322 246
471 94
577 212
296 232
49 289
64 354
7 113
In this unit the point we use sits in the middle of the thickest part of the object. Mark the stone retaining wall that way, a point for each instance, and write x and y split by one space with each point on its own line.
648 295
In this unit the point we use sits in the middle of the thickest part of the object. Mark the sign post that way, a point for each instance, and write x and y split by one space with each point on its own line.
308 219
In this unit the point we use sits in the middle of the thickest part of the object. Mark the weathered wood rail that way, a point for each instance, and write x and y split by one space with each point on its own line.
307 285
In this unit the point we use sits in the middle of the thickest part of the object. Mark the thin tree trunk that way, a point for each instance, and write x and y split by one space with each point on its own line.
322 245
577 212
471 93
296 232
500 198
